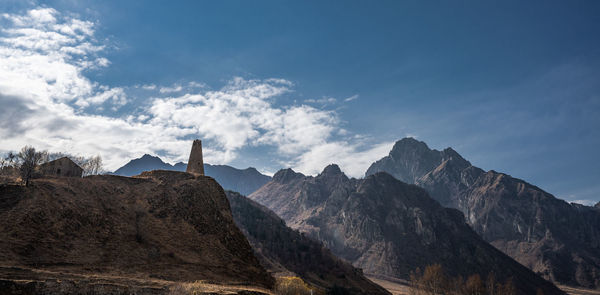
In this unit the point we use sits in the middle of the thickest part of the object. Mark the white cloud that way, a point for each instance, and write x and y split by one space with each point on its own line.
242 113
43 54
174 88
352 158
117 95
47 101
351 98
585 202
195 84
323 100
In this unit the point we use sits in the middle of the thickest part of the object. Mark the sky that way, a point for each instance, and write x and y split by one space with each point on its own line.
513 86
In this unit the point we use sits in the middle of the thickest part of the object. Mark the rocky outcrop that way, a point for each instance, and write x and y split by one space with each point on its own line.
161 225
285 251
244 181
557 240
387 227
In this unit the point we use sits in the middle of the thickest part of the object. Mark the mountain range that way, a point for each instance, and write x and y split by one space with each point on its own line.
243 181
556 239
387 227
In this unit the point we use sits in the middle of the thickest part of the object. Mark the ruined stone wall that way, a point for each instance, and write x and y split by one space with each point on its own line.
61 167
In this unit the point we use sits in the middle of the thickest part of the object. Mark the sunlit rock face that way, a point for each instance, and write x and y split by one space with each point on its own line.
557 240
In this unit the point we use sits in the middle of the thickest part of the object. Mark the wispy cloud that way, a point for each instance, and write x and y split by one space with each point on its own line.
351 98
174 88
323 100
585 202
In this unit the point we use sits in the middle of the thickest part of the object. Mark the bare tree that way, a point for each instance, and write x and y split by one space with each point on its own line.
475 285
29 159
508 288
434 279
92 166
490 284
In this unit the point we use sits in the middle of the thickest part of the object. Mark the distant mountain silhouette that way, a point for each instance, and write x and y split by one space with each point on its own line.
557 240
145 163
387 227
244 181
285 251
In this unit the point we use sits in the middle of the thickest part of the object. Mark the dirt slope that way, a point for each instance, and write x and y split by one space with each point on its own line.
161 225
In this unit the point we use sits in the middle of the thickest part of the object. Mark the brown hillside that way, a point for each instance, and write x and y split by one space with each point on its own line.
162 224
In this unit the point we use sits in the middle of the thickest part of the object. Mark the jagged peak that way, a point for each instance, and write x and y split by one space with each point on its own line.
285 175
251 169
148 156
332 169
381 175
457 160
410 142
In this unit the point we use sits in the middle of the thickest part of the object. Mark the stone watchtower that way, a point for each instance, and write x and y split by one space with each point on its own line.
195 163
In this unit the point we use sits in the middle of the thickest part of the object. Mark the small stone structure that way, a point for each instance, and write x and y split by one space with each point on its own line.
61 167
195 163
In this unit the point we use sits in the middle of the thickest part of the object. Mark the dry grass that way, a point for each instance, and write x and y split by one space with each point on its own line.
402 288
292 286
578 291
396 287
204 287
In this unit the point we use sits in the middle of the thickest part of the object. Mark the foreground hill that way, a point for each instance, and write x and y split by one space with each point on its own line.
245 181
557 240
284 250
162 225
387 227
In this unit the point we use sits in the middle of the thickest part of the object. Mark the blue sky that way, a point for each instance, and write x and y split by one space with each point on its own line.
512 86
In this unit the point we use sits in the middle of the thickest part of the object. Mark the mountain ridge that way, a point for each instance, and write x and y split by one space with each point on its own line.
387 227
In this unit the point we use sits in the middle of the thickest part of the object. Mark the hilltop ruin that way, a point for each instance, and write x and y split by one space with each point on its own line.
195 163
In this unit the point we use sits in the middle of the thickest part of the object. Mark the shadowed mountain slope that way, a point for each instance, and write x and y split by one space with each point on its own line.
245 181
387 227
163 225
283 250
557 240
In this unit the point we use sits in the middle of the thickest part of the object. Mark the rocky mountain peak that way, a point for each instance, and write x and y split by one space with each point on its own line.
332 169
286 175
510 213
409 144
150 158
409 160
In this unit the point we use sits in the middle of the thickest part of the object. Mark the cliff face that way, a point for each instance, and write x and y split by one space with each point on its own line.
164 225
284 250
387 227
557 240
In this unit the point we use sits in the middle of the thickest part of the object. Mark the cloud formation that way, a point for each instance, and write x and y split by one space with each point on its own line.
47 101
